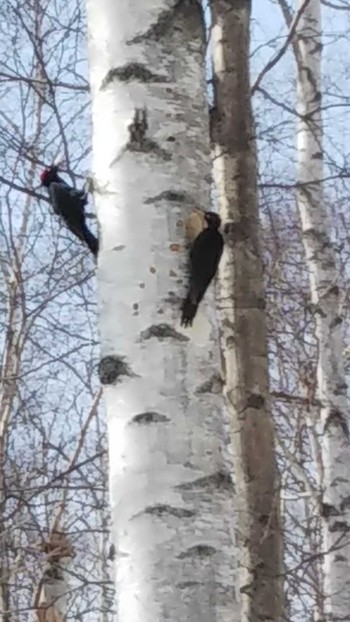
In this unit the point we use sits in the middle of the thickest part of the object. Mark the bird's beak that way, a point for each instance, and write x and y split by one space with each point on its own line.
59 161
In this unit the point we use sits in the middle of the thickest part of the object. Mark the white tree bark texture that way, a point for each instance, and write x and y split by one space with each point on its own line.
243 317
326 306
170 478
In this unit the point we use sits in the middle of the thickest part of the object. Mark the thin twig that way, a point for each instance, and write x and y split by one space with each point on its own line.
283 49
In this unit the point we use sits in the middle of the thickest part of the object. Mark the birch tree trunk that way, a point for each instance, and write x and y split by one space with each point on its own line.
243 320
170 484
325 293
50 601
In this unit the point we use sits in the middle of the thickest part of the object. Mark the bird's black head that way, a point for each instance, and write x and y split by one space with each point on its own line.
213 220
48 175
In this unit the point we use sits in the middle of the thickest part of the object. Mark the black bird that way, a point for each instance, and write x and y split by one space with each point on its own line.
69 204
205 256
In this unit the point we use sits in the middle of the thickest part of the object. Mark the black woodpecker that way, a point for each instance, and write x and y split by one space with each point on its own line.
205 256
69 204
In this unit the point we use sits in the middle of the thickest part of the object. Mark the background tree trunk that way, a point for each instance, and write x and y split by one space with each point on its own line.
243 319
171 489
326 306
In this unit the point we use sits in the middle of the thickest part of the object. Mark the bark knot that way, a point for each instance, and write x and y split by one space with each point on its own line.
221 480
162 332
338 419
138 139
148 417
200 550
111 367
213 385
168 510
132 71
255 401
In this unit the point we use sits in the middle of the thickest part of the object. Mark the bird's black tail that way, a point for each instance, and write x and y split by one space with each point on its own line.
91 241
189 310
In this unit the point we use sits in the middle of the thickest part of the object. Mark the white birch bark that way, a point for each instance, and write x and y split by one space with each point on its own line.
326 304
170 484
243 317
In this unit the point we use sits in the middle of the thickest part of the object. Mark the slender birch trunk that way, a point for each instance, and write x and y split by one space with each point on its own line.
170 484
50 602
326 294
243 318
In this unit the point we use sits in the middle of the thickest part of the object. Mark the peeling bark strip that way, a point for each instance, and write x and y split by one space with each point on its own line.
325 297
171 489
243 320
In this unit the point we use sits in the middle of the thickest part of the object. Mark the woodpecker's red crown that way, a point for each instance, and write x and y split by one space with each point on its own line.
44 174
48 175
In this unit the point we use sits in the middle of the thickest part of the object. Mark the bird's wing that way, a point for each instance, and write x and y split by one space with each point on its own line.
206 252
66 201
205 256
